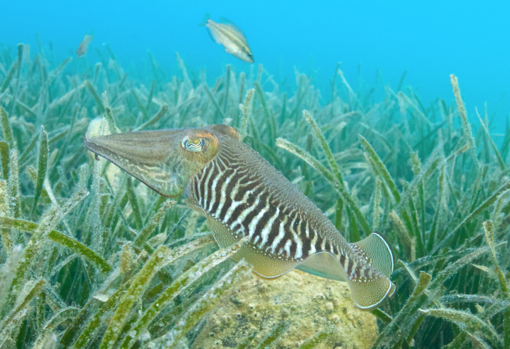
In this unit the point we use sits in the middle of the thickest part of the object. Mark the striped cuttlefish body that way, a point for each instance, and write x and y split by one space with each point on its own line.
242 195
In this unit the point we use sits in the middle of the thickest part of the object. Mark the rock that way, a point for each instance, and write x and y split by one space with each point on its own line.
306 302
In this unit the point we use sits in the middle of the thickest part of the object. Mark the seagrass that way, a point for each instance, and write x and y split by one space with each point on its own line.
353 153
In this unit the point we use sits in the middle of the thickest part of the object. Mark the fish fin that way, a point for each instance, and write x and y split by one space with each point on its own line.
323 265
368 294
213 37
231 24
264 264
377 251
206 18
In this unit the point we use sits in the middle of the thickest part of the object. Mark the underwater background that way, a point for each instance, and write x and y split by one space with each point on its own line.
430 40
389 116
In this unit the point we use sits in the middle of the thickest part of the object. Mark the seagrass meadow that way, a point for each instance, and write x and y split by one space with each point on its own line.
94 260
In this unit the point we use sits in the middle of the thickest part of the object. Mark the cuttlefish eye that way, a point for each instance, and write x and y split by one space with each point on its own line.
193 144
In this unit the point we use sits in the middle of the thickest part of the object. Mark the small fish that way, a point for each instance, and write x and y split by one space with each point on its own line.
84 46
242 195
229 35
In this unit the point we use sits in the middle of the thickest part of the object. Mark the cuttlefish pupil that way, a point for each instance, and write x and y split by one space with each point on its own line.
194 145
242 195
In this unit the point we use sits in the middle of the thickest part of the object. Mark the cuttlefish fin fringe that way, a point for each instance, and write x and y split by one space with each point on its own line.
377 251
264 265
368 294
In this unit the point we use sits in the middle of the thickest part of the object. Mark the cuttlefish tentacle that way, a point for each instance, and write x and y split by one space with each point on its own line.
242 195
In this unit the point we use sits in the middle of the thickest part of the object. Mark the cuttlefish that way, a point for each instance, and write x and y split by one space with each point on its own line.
242 195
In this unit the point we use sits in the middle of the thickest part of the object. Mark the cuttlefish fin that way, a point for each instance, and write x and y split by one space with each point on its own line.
264 264
369 282
377 251
369 293
222 235
368 290
324 265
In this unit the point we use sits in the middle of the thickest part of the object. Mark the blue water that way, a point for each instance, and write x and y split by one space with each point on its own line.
431 39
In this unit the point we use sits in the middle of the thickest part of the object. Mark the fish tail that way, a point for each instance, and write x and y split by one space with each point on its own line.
207 17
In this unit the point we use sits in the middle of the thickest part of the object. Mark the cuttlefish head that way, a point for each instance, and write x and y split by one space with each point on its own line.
164 160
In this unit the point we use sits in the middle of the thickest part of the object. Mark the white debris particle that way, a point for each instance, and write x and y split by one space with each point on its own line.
102 297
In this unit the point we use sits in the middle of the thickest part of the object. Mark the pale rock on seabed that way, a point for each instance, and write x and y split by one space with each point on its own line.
306 302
